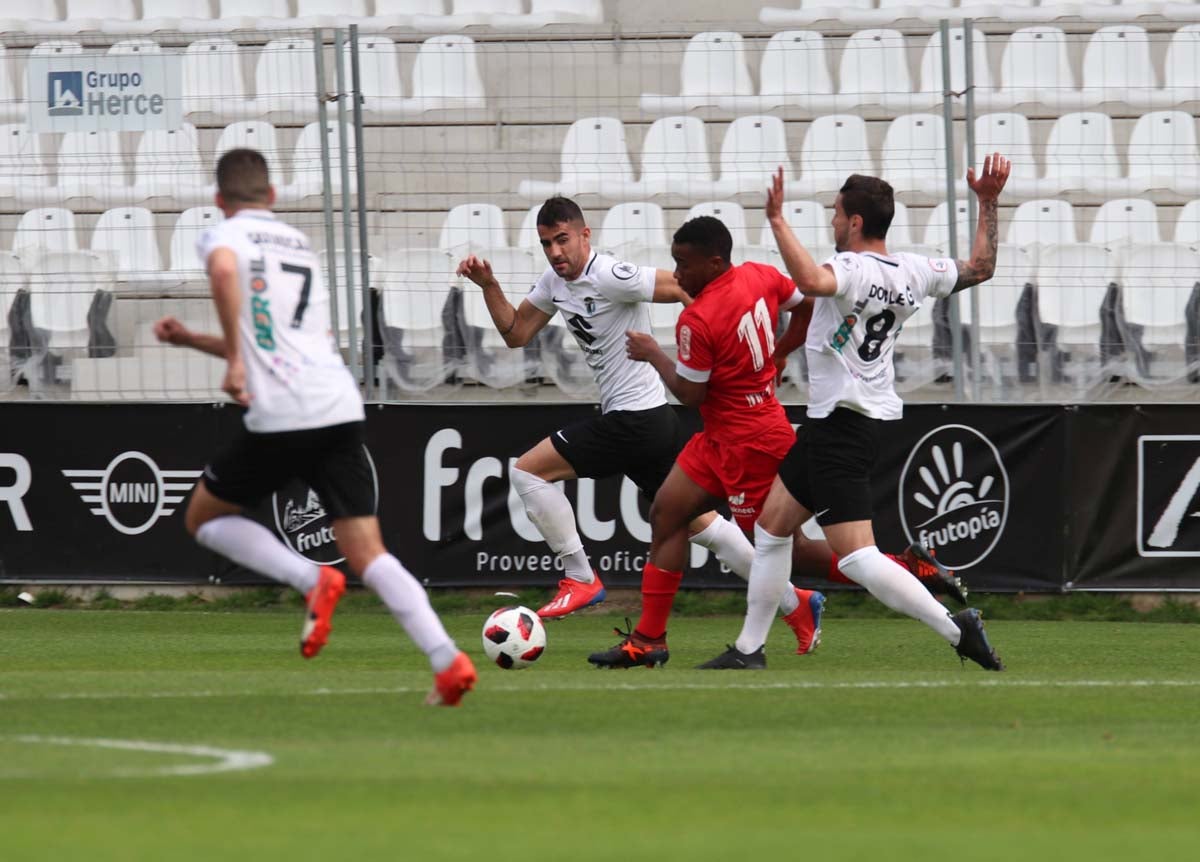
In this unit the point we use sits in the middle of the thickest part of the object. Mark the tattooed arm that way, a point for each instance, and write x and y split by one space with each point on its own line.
987 187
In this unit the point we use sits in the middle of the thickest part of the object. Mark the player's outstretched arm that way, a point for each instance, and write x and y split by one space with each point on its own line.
987 187
517 326
642 347
170 331
811 278
667 289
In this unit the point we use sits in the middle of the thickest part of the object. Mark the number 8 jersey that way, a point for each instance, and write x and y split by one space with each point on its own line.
853 333
294 372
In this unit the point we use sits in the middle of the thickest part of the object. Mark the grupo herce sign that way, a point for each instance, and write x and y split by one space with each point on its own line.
83 93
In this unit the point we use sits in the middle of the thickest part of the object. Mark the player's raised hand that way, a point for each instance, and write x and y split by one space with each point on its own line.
171 331
640 346
991 180
774 208
477 270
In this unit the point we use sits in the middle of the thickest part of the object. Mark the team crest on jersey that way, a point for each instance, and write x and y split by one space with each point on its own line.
938 264
589 303
624 271
685 342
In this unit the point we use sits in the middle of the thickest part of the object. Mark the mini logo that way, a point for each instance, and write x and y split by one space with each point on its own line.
1168 521
304 525
954 495
132 493
624 271
685 342
65 94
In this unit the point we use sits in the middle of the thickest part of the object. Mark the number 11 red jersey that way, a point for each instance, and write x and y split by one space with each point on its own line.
727 339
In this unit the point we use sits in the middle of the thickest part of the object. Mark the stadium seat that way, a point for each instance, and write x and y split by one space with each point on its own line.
446 76
331 13
471 228
1073 281
185 263
1035 70
134 47
631 226
28 16
186 16
1163 154
1082 157
595 160
252 15
873 71
1043 222
517 271
730 214
285 81
349 302
129 238
21 164
998 297
913 158
1125 221
1181 69
527 235
675 159
98 15
663 318
379 78
713 73
809 11
466 13
753 148
810 223
900 232
937 230
1008 134
401 13
414 289
256 135
795 71
90 167
1187 225
307 176
43 230
62 285
12 279
1157 281
213 83
168 170
930 84
834 147
1117 68
545 12
12 106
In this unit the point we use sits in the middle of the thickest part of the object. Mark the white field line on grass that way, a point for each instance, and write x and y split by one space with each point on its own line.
226 760
682 685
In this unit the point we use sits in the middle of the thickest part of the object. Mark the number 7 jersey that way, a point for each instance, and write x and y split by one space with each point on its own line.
294 373
726 338
852 335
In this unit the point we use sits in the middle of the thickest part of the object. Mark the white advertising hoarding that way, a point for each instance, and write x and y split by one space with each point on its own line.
81 93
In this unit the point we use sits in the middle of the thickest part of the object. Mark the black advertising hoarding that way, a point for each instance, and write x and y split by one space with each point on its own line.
1015 497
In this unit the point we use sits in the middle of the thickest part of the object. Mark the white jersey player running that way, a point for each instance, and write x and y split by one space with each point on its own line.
637 434
863 297
304 420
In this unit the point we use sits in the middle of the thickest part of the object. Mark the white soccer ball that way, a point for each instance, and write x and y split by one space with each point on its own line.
514 637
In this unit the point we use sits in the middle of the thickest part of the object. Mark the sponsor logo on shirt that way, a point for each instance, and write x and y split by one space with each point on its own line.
938 264
624 271
685 342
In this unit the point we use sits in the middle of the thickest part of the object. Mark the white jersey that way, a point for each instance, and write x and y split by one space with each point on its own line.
853 333
294 373
606 301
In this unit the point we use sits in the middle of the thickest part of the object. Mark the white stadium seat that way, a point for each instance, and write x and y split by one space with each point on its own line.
46 229
307 177
331 13
213 83
900 232
811 224
1187 225
595 160
675 158
713 73
187 16
1008 134
1036 69
527 235
62 285
1181 69
251 14
285 81
128 236
1043 222
12 279
1117 68
930 84
168 169
379 78
998 297
402 13
185 263
913 158
874 71
1081 155
834 147
446 76
1125 220
255 134
1163 154
21 164
753 148
12 107
28 16
545 12
1072 283
472 228
795 71
1156 283
730 214
937 229
629 225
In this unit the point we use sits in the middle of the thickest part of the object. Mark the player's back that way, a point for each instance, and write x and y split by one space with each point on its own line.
730 330
294 372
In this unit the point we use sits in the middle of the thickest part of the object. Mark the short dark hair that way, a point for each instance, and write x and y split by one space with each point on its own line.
873 200
707 234
242 176
558 210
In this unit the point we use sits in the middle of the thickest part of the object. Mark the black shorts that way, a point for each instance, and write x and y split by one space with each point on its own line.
641 444
828 469
333 461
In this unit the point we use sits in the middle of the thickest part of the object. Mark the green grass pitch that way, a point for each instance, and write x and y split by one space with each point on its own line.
878 747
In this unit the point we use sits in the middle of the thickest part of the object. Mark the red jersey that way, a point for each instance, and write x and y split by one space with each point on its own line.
727 339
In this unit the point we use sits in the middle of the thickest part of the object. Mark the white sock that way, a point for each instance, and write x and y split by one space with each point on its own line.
725 539
409 604
895 586
550 511
768 581
250 544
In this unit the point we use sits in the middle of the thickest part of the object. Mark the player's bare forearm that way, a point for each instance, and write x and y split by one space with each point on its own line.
688 393
213 345
797 330
810 277
226 293
504 315
982 264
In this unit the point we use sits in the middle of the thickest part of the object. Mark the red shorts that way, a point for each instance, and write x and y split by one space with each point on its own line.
737 473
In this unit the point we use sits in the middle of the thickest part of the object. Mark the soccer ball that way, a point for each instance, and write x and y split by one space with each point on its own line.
514 637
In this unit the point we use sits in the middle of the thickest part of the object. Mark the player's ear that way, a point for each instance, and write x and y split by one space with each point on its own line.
270 196
586 233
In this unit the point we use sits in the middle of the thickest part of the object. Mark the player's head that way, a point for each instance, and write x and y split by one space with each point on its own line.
242 181
701 249
565 237
862 211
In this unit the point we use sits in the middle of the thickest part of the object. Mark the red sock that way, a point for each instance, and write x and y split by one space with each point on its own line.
899 561
659 587
835 574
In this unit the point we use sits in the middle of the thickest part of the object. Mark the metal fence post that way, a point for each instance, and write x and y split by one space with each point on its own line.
951 203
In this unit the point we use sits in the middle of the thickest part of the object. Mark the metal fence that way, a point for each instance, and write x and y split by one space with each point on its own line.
399 151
